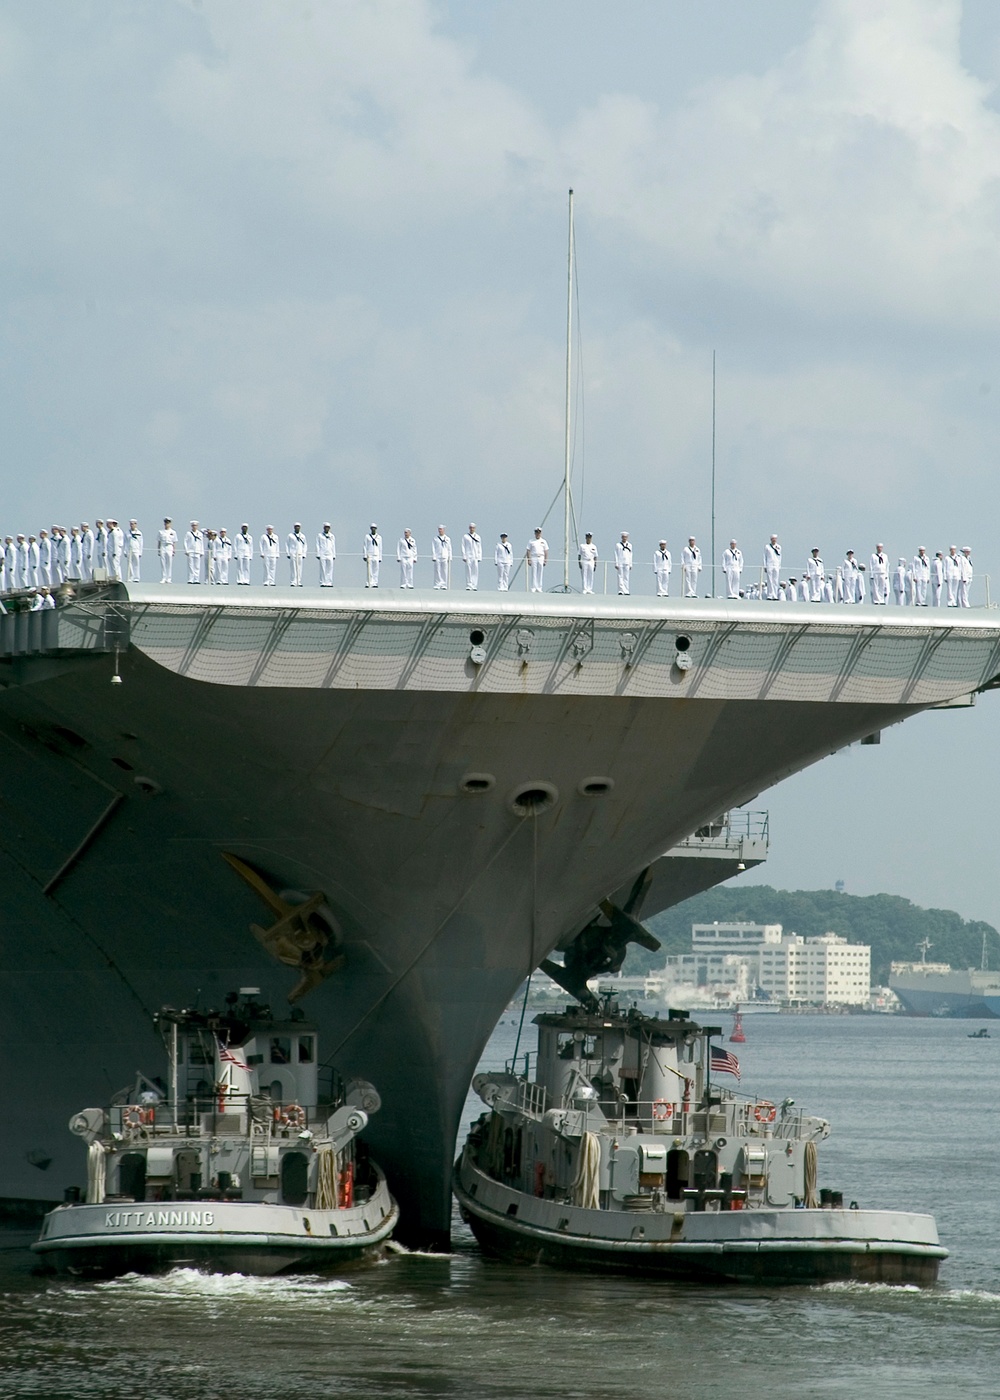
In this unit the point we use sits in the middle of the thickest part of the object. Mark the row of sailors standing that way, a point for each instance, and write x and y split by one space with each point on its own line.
46 561
945 580
54 556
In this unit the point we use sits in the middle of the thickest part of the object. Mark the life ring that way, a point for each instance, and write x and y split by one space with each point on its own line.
294 1116
132 1116
662 1110
765 1111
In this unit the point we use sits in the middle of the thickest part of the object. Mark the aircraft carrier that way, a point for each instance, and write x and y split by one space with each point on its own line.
388 806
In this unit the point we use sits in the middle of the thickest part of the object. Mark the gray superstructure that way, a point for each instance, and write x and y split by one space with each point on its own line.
455 783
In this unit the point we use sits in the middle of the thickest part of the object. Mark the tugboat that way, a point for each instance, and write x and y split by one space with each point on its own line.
623 1153
248 1160
981 1034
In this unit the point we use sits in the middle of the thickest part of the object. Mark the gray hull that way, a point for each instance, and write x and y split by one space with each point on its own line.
755 1246
352 747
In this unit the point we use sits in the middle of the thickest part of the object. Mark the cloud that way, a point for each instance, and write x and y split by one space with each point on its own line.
858 176
367 110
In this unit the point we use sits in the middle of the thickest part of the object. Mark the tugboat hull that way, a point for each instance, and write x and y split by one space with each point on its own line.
226 1237
771 1247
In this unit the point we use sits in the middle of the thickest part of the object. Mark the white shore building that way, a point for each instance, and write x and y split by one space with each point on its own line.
730 961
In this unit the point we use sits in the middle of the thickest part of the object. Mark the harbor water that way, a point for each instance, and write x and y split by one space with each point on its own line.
916 1126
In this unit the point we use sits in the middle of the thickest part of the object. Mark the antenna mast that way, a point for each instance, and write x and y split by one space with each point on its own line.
714 560
567 498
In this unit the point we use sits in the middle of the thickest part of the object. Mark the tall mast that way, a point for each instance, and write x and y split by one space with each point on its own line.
714 560
567 500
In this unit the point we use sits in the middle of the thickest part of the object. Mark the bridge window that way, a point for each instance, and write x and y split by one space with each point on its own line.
281 1050
307 1049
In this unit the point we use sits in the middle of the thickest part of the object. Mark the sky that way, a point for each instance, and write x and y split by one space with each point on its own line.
301 260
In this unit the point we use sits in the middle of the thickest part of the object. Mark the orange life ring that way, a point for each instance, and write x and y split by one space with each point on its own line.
765 1111
132 1116
662 1110
294 1116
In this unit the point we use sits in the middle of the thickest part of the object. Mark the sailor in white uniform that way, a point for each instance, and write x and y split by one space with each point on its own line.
441 552
732 564
21 562
623 563
503 557
920 575
788 592
691 567
965 577
194 548
269 550
371 553
66 558
69 553
952 574
849 574
879 567
134 551
587 559
296 548
223 555
537 555
100 545
937 580
406 553
87 543
772 567
662 564
116 550
899 583
211 576
326 553
816 575
45 553
243 550
472 554
34 563
8 565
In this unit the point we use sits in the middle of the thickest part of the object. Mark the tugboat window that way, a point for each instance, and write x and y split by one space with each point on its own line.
307 1050
281 1050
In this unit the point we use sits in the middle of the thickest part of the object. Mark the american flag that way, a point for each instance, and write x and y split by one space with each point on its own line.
724 1061
228 1057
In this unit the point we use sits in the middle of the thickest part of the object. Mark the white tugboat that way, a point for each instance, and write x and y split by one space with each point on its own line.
249 1160
623 1153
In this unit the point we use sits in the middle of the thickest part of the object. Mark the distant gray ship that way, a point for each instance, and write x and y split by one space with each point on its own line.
388 806
935 989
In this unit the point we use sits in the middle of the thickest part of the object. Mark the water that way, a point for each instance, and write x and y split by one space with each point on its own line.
913 1104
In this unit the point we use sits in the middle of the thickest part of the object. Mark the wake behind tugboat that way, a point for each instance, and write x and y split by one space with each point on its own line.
258 1169
622 1154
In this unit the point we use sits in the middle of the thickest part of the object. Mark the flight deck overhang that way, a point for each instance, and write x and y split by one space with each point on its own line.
561 644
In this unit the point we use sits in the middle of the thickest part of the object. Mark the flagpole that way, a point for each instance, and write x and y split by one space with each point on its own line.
569 394
713 475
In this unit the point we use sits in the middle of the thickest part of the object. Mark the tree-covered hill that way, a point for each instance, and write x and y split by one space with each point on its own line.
891 925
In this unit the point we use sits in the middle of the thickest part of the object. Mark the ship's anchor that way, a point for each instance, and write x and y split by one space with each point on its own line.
295 939
602 945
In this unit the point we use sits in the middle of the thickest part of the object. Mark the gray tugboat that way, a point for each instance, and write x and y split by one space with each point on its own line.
249 1160
623 1153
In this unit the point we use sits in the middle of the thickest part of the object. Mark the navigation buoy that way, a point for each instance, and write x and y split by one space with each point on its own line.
738 1036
